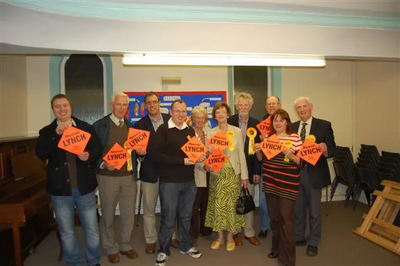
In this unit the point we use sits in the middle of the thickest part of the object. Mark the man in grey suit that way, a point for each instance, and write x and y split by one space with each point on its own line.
312 178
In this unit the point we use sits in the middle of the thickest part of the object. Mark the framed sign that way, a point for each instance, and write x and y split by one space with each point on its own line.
207 99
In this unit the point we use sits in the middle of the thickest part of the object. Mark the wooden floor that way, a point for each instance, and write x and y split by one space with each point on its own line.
339 247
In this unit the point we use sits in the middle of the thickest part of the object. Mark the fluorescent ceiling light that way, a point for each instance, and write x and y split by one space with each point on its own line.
222 59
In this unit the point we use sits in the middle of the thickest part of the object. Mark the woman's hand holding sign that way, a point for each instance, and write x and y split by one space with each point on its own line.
141 151
188 161
245 183
84 156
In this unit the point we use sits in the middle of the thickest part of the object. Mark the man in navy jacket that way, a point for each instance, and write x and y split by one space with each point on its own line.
312 178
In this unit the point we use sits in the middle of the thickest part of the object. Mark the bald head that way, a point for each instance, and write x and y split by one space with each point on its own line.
272 104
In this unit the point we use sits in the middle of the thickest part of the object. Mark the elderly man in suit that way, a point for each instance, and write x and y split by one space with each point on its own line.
243 120
312 178
148 170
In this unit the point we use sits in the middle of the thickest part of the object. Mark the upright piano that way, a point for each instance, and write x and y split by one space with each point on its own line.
24 204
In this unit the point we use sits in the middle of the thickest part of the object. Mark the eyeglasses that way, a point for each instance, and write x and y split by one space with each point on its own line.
180 111
152 102
272 104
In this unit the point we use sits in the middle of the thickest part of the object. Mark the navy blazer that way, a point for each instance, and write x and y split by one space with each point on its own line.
58 183
148 170
253 164
319 173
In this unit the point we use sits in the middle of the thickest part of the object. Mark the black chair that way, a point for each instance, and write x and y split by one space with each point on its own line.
367 180
370 148
345 176
391 155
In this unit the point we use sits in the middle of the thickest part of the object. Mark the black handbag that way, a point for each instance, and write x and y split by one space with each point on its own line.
245 202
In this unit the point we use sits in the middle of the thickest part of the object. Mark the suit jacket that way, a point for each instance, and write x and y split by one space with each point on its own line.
235 157
322 130
254 166
148 169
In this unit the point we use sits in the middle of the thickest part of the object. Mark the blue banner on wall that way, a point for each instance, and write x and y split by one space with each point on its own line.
205 98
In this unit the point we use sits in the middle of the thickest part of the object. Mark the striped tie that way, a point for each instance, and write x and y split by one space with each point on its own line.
121 123
303 132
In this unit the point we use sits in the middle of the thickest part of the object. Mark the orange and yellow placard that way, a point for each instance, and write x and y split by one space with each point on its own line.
194 149
117 156
265 126
309 152
217 159
137 138
74 140
271 146
219 140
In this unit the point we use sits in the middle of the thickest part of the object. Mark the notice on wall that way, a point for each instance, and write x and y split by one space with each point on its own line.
207 99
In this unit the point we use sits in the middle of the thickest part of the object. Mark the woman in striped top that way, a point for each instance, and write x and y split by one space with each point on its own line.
281 178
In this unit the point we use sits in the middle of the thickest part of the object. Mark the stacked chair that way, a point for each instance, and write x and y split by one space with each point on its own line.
366 174
343 164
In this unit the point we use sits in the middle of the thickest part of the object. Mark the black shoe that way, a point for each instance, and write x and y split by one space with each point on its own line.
301 243
263 234
273 255
312 251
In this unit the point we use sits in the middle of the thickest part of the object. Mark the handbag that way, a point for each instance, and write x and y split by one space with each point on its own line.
245 202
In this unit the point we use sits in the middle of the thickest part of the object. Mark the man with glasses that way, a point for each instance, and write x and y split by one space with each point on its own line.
148 172
243 120
177 186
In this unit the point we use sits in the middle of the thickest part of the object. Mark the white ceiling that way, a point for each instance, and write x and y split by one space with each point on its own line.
360 7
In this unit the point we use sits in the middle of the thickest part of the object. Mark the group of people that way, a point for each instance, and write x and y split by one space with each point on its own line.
196 200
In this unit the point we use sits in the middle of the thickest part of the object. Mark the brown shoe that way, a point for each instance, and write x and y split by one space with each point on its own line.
113 258
238 239
150 248
175 243
253 240
130 254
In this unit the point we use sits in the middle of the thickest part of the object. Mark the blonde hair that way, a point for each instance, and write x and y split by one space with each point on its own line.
198 109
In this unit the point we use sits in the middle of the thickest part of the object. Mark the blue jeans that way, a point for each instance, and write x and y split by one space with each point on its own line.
176 203
264 216
63 207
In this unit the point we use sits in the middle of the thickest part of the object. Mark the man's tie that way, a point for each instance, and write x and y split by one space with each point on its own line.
121 123
303 132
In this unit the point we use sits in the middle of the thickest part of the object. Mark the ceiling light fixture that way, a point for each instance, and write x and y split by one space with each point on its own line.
222 59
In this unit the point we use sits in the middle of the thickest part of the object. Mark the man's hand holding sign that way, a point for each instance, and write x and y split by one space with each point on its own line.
116 157
195 150
310 151
138 140
74 140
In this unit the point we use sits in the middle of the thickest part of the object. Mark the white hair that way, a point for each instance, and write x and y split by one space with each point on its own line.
119 93
302 98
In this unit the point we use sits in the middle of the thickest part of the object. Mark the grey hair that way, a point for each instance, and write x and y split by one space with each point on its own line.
302 98
119 93
198 109
244 95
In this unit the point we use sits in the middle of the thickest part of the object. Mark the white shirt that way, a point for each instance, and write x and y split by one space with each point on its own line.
308 127
171 124
116 119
